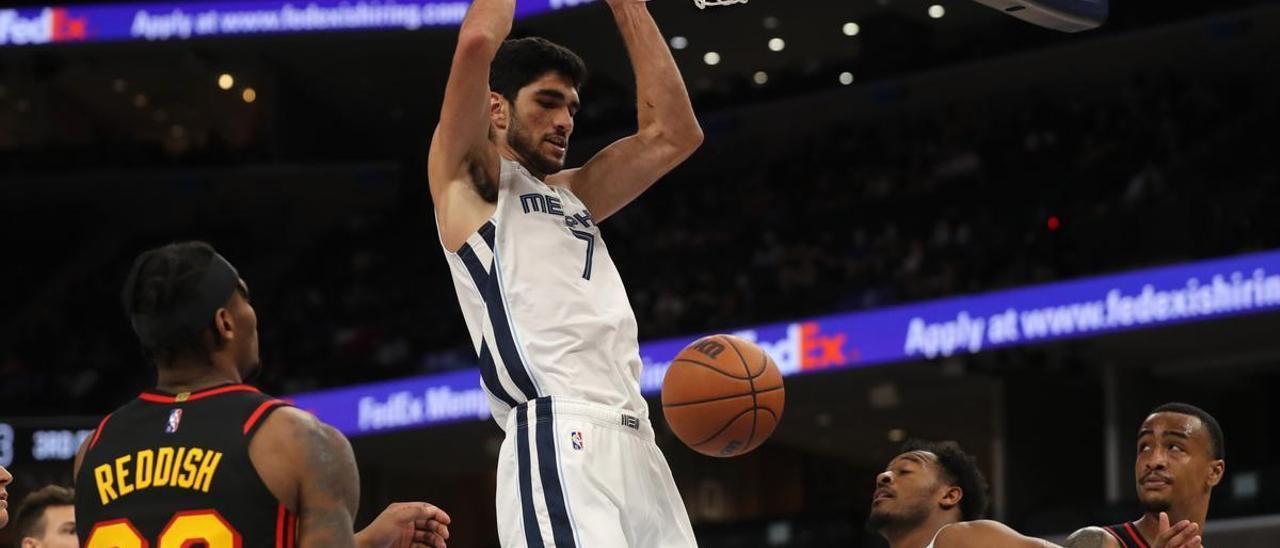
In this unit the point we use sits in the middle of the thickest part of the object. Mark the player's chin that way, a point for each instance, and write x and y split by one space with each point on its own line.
1155 502
552 165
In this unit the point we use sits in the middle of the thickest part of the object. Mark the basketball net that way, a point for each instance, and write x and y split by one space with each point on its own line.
702 4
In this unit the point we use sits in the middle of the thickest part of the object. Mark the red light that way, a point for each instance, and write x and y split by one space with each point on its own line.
1054 223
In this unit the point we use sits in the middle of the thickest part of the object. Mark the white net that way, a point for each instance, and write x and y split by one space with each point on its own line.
702 4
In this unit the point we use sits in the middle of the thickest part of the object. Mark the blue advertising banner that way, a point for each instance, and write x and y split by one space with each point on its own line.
962 325
186 20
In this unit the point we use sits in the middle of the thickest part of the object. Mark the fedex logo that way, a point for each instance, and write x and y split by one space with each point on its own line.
51 25
805 348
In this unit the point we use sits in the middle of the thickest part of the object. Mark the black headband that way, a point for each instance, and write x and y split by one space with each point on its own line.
193 311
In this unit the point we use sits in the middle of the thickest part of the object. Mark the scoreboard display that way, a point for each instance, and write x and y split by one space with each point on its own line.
41 450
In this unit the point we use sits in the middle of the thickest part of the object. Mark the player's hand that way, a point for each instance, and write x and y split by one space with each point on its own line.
406 525
1183 534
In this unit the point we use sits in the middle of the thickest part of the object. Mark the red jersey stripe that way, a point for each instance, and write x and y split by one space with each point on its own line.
98 432
166 398
257 413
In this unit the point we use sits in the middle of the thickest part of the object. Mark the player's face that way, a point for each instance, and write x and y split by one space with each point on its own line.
59 528
246 346
906 492
5 479
541 122
1174 466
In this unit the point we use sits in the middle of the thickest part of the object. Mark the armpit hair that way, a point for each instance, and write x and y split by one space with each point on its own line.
484 185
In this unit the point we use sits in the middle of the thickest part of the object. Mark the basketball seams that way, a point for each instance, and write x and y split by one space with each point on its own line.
719 398
726 426
711 367
755 399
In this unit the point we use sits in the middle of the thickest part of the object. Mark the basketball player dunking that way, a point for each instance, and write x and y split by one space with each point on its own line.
932 495
206 460
547 311
1180 459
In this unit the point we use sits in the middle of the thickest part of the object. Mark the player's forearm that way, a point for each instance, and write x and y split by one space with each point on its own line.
489 20
662 102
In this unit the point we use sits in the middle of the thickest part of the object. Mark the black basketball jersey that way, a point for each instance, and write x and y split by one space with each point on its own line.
174 470
1127 535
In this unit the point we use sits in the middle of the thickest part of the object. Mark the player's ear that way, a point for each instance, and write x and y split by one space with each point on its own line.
1216 469
224 325
951 496
499 110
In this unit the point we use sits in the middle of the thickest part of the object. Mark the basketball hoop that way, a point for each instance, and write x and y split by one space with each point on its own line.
702 4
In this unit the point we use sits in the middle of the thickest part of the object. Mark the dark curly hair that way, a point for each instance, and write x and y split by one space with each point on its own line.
520 61
162 280
959 469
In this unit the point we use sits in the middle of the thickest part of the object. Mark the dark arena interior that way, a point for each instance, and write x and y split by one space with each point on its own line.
941 221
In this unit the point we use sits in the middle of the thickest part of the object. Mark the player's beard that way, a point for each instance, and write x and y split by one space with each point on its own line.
1154 506
903 520
527 147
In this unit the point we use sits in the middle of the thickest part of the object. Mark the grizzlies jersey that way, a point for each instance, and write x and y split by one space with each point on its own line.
174 470
544 303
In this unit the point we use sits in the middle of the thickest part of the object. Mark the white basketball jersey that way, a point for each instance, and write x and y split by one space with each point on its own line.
544 303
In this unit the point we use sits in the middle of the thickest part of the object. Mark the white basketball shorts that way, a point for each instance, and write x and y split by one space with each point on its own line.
573 474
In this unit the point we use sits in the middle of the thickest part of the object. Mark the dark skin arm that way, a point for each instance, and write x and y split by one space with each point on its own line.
310 468
1091 537
985 534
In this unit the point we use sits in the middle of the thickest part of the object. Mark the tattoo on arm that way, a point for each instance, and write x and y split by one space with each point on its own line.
329 490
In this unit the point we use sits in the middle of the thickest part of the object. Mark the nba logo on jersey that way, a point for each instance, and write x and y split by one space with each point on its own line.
576 438
175 417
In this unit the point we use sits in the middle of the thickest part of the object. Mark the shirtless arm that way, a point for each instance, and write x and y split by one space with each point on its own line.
461 159
985 534
1091 537
310 468
668 132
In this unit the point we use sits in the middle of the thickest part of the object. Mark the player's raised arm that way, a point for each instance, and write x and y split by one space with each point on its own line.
668 130
460 151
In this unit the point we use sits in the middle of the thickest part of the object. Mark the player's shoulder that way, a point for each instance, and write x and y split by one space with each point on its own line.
1092 537
289 422
982 533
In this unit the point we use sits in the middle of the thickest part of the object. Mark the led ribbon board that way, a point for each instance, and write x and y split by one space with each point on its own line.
188 20
1157 297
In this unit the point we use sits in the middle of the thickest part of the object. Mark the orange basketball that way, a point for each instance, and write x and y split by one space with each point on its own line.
723 396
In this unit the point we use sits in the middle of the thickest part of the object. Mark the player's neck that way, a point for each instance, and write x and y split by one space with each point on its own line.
185 376
918 536
1149 523
506 151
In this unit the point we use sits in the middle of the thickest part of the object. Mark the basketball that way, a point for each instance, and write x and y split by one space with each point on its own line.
723 396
